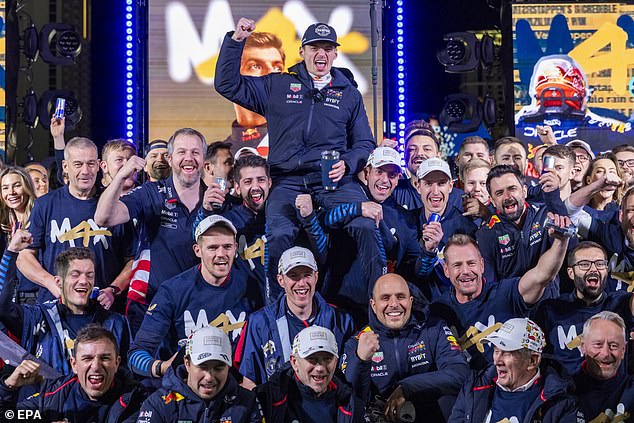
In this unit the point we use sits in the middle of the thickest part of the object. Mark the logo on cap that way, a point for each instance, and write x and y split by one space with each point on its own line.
212 340
318 335
322 30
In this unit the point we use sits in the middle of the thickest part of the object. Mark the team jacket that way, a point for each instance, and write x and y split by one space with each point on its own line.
562 321
423 358
175 401
302 122
184 304
397 234
610 235
265 344
285 399
511 251
64 399
605 400
44 329
555 403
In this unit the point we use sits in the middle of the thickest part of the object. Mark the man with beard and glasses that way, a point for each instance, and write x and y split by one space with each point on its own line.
165 211
156 166
211 293
475 307
625 156
617 237
513 239
604 389
562 318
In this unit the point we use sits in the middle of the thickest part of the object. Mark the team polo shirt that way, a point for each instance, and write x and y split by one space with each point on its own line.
60 221
165 236
475 319
562 321
184 304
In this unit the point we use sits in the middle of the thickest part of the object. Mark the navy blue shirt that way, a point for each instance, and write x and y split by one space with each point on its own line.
562 321
597 396
165 237
486 313
59 221
508 405
184 304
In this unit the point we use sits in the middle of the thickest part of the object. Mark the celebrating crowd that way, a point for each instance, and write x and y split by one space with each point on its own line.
323 283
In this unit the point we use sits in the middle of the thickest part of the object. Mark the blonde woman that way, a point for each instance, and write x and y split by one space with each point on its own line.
17 195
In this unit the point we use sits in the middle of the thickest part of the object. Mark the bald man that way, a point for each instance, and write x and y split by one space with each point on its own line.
418 360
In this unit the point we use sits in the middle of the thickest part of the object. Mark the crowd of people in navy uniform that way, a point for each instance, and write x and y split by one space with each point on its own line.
196 285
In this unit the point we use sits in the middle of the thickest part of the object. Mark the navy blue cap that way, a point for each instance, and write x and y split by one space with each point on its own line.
319 32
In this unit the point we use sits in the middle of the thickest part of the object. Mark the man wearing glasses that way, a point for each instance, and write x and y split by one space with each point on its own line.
625 156
584 155
562 318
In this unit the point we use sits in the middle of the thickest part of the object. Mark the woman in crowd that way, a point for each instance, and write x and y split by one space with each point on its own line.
17 195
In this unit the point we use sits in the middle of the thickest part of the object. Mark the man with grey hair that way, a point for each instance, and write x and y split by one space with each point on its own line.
165 211
517 387
604 389
64 219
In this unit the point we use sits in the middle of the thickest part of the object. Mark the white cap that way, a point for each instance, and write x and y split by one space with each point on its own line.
314 339
432 164
516 334
296 256
213 220
244 150
208 343
582 144
382 156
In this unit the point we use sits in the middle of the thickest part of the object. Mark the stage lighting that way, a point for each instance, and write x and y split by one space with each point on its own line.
461 113
29 109
461 52
30 43
46 107
60 44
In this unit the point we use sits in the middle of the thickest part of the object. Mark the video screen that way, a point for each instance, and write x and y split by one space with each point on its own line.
185 38
574 71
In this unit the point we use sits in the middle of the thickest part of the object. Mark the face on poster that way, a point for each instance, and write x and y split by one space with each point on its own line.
185 38
574 71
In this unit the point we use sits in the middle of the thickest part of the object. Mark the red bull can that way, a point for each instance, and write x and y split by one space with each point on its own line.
434 217
60 107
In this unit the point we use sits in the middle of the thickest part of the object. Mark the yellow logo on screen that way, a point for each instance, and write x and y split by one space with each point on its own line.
190 49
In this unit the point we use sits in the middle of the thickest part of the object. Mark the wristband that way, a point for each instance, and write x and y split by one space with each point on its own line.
157 368
115 290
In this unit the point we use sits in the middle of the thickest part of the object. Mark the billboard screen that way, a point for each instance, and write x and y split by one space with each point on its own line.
574 71
184 40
